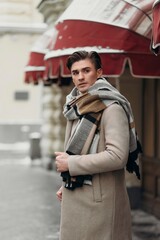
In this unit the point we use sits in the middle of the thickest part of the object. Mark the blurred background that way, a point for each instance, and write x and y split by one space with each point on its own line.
20 112
32 126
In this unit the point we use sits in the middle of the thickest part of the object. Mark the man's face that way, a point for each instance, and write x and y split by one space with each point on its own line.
84 74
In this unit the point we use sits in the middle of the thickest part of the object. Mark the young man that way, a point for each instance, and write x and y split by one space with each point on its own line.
100 141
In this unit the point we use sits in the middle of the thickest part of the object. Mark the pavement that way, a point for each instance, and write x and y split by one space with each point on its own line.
29 209
145 226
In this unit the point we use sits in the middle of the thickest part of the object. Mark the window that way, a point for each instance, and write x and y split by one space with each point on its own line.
21 95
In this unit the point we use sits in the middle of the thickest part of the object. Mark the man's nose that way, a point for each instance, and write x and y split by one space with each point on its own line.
81 76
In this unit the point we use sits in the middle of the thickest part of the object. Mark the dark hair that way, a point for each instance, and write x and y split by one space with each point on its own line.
81 55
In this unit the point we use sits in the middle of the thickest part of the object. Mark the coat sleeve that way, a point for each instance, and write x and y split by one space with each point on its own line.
115 127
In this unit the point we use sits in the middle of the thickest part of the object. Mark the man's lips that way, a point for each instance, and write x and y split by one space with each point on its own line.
82 84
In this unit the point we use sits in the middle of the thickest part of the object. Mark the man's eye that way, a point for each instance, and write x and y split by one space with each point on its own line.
74 73
87 70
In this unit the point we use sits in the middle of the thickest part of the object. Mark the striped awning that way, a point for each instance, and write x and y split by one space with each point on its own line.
119 30
155 44
34 70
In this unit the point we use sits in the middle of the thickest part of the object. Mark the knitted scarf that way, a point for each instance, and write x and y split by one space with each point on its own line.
88 108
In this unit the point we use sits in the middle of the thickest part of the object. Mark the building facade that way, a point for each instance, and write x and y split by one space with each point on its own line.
144 95
20 106
26 108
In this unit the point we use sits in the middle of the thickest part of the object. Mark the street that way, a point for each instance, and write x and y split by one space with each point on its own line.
29 209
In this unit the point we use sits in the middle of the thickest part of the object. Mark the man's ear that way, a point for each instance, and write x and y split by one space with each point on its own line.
99 72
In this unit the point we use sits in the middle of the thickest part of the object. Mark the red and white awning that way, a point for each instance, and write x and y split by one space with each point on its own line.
120 30
34 70
155 45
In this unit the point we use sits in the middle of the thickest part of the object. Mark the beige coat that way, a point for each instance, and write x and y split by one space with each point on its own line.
100 211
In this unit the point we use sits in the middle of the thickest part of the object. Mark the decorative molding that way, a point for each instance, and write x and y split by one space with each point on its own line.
22 28
52 9
19 16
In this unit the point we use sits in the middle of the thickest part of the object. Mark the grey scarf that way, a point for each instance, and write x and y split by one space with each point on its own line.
88 108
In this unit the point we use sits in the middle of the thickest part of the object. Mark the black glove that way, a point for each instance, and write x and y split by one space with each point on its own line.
73 182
